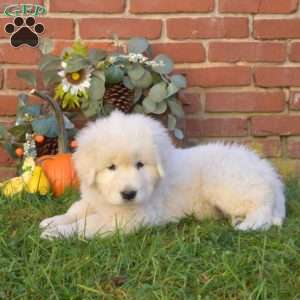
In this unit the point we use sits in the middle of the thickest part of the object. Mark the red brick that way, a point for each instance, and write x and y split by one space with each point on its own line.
295 52
23 55
6 173
293 148
294 101
275 125
3 22
5 159
8 105
247 51
170 6
218 76
5 3
12 81
84 6
181 52
258 6
277 29
1 78
60 45
58 28
190 101
245 101
124 28
277 76
267 147
185 28
216 127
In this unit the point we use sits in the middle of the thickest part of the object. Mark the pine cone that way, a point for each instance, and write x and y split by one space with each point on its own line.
48 147
120 97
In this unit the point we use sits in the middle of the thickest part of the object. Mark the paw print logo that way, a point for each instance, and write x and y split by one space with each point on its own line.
24 32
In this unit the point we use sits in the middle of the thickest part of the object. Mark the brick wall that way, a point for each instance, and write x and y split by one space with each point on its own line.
241 58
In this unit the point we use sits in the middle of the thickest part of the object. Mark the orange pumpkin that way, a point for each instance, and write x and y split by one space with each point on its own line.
60 172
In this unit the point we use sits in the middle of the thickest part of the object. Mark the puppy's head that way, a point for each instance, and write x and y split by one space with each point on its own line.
122 157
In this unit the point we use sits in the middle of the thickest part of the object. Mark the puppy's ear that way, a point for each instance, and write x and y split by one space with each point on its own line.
159 165
84 166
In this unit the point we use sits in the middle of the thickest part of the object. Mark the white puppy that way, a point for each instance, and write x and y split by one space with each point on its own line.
131 175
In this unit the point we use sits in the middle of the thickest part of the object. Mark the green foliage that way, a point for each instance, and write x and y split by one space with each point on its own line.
28 76
96 55
137 45
79 48
165 64
155 88
189 260
77 62
49 62
114 74
46 126
46 46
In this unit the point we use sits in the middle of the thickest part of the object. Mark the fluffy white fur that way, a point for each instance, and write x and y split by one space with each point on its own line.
208 181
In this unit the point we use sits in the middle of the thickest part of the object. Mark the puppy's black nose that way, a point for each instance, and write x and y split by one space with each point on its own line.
128 195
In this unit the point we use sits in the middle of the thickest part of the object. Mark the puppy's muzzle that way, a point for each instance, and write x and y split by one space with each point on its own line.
128 195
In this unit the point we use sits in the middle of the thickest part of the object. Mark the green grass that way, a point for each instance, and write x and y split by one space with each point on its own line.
189 260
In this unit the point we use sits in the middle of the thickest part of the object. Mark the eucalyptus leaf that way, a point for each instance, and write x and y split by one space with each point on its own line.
128 83
46 126
19 131
22 102
179 81
50 63
3 132
51 77
96 55
28 76
97 88
68 123
138 93
22 99
160 108
172 89
76 63
107 109
33 110
10 149
136 72
46 45
178 133
165 64
138 109
176 108
93 109
144 82
137 45
158 92
171 122
114 74
149 105
99 74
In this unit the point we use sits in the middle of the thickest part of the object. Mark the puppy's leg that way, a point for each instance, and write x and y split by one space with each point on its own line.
279 210
258 219
77 211
87 227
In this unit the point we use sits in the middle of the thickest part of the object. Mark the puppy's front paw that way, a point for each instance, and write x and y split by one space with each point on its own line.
51 222
59 231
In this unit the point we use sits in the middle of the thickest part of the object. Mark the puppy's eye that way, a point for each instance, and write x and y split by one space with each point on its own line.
139 165
112 167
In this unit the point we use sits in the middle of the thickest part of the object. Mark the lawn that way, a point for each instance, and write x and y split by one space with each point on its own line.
189 260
